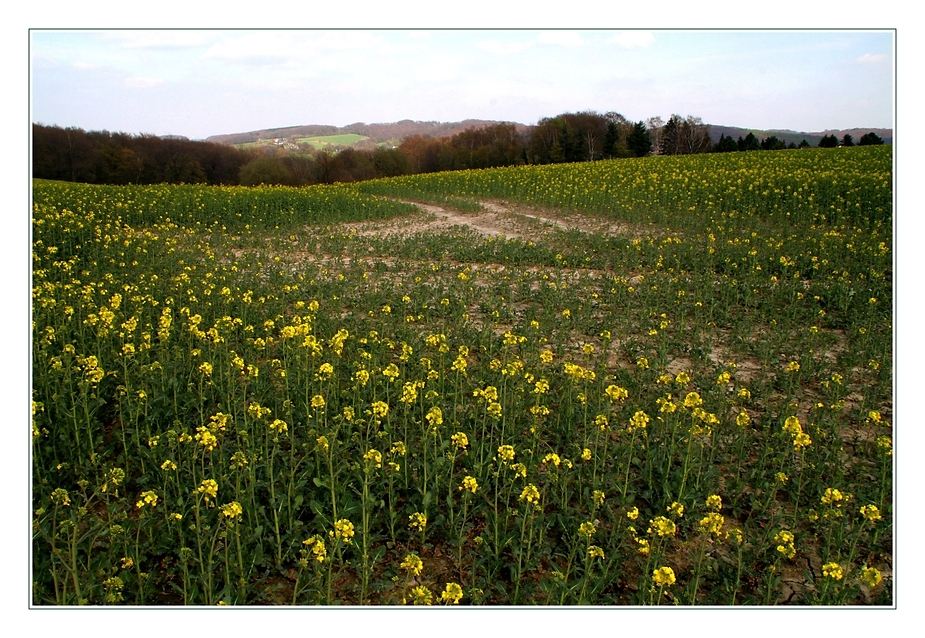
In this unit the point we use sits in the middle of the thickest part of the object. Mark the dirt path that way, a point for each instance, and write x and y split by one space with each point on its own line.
496 219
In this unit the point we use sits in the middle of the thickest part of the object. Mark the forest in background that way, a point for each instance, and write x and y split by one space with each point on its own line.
103 157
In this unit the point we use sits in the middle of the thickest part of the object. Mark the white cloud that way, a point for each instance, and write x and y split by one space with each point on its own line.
871 58
503 48
560 38
142 82
177 39
633 39
264 46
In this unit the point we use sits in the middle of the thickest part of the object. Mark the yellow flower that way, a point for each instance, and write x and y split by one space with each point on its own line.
469 484
885 444
585 454
278 426
639 421
616 393
232 511
598 497
833 571
208 488
322 443
832 496
317 402
127 562
506 453
380 409
257 411
552 458
412 564
871 513
373 458
692 400
168 465
743 419
434 417
452 594
871 577
712 523
676 508
801 441
792 426
460 440
715 502
663 577
59 497
785 543
587 529
315 545
417 521
421 595
148 498
736 535
595 552
531 495
343 530
206 439
661 526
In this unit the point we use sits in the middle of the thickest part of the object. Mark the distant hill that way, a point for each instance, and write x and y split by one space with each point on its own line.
361 135
788 136
380 133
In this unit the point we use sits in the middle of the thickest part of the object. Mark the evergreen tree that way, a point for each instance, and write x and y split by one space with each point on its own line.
725 145
772 143
828 141
639 141
750 143
869 139
670 138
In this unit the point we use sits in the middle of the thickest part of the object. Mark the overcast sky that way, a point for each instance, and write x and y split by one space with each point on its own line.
201 83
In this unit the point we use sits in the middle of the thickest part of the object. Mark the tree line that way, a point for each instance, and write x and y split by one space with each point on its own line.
102 157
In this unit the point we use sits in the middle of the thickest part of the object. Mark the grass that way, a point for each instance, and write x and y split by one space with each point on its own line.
324 141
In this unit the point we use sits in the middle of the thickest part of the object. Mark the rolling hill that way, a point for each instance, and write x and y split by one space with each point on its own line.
361 135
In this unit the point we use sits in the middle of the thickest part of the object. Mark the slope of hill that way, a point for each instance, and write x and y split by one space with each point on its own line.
378 132
360 135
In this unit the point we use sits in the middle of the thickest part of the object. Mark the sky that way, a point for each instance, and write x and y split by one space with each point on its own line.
207 82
